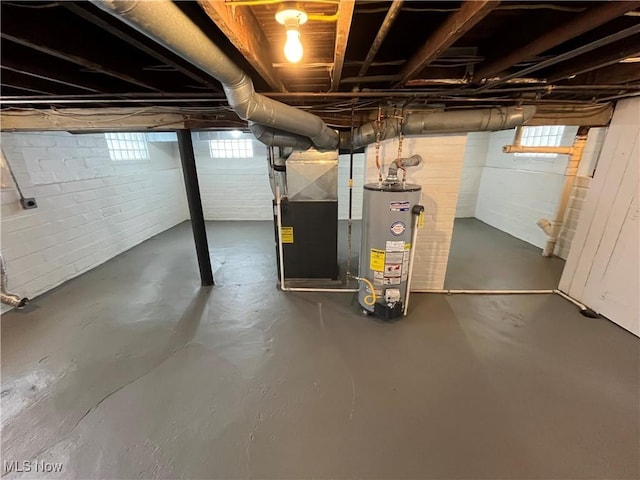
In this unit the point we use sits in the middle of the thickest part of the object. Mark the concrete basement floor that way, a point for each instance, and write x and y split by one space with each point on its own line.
134 371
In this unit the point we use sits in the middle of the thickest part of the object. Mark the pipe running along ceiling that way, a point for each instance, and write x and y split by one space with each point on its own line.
275 123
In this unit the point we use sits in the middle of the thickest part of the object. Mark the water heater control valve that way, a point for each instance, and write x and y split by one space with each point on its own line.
392 295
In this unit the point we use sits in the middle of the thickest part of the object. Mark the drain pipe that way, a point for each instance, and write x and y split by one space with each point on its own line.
6 297
164 22
552 228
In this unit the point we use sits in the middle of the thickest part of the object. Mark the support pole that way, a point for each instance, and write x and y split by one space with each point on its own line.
188 160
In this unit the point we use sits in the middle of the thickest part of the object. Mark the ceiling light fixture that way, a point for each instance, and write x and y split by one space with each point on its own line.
291 16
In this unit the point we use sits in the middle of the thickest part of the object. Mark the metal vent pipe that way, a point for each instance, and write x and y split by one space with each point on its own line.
459 121
166 24
6 297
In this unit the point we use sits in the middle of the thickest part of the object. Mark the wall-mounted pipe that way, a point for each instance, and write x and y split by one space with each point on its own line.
6 297
458 121
552 228
166 24
412 161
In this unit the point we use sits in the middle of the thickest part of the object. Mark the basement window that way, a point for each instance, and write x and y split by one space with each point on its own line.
231 148
127 146
544 136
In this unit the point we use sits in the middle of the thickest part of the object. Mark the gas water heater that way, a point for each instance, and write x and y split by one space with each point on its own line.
390 215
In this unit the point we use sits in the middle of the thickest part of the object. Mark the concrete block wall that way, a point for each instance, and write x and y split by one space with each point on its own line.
233 188
516 191
572 215
439 176
90 208
475 158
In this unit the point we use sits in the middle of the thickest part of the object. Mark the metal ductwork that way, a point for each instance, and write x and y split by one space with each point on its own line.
459 121
6 297
166 24
278 138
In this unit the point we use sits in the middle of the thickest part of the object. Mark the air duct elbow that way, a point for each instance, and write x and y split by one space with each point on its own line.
277 138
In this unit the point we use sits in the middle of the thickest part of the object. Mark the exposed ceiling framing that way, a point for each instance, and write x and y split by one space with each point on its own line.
358 54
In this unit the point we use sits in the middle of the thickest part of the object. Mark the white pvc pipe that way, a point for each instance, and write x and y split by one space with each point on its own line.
280 249
581 306
331 290
486 292
412 254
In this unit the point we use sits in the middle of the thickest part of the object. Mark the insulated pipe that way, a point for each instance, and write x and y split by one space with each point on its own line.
6 297
166 24
486 119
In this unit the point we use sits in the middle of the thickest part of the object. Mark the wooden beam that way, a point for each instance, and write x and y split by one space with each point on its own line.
90 119
243 30
343 26
120 31
455 26
389 18
600 58
582 23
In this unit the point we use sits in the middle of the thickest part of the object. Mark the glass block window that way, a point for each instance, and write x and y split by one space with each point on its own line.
231 148
544 136
127 146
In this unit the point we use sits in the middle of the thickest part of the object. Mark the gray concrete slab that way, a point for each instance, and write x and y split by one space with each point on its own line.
134 371
485 258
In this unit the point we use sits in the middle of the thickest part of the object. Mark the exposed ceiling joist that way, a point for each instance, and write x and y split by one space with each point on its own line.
243 30
37 71
119 32
37 84
455 26
78 59
582 23
343 26
389 18
622 34
620 74
600 58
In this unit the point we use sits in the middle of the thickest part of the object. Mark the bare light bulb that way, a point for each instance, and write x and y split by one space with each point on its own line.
293 47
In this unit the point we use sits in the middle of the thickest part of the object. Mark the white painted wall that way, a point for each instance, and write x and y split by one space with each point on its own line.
439 175
90 208
603 264
516 191
475 158
233 188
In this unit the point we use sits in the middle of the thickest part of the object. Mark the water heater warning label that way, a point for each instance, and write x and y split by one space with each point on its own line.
376 260
399 206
